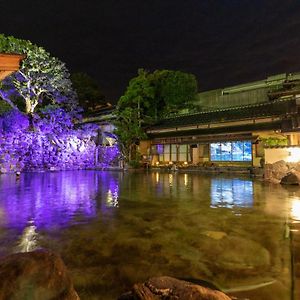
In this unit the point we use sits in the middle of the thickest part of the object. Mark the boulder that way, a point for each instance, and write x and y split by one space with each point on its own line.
280 166
274 172
282 172
290 179
173 289
35 275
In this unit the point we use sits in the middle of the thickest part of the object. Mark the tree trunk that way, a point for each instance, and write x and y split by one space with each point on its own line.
28 106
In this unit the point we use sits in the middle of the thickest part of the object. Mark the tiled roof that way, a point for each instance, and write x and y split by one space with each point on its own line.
268 109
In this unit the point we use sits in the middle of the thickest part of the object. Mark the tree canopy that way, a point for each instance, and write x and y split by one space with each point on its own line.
149 97
88 91
175 88
41 80
156 94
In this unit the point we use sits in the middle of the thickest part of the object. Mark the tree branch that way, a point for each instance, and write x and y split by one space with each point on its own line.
7 100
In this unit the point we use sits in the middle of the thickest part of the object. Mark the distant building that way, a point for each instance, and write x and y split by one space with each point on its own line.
245 126
233 128
102 116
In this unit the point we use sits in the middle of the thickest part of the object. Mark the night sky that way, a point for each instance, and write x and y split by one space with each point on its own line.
221 42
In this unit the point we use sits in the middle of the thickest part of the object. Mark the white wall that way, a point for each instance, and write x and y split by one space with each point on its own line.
288 154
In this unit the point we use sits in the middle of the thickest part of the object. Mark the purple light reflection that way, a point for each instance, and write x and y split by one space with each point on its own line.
47 199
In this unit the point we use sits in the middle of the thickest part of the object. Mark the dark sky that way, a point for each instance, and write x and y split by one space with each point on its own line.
222 42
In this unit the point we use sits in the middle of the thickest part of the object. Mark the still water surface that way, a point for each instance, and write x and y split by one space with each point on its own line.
115 229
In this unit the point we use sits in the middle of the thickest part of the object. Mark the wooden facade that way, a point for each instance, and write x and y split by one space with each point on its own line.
9 63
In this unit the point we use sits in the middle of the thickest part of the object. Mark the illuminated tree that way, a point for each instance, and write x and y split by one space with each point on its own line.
41 80
129 132
174 90
139 96
149 97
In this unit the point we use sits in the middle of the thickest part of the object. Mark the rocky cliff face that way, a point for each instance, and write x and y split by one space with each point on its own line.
26 151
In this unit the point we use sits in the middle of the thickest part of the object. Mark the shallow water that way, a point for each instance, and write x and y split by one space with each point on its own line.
115 229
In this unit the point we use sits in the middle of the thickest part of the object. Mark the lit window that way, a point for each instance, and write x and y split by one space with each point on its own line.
231 151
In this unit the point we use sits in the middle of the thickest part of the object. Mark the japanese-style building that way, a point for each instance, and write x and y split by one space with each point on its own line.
234 126
242 126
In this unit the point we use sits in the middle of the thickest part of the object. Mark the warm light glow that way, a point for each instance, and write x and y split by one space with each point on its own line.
170 163
157 163
112 198
157 177
171 179
185 179
111 141
185 163
28 240
295 209
294 155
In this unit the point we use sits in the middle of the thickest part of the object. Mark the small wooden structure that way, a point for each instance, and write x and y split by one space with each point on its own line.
9 63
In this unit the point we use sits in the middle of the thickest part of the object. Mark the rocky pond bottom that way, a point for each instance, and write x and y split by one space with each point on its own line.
116 229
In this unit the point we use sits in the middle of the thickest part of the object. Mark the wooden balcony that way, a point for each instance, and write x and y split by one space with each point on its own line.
9 63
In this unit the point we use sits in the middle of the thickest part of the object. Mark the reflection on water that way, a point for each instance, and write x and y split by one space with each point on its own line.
186 179
231 192
171 179
28 240
112 197
157 177
48 199
131 226
295 208
53 199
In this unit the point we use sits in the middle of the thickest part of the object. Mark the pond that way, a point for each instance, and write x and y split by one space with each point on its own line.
114 229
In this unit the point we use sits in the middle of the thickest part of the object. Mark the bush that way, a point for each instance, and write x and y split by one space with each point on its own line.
135 164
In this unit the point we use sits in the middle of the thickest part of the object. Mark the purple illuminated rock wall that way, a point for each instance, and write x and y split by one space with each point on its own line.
24 149
32 151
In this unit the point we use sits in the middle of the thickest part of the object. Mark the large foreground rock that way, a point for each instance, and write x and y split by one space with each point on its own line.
290 179
37 275
282 172
173 289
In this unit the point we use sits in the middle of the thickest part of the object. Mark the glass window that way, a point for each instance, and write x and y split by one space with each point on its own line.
167 152
215 151
174 148
173 152
226 151
183 152
231 151
160 149
247 151
237 151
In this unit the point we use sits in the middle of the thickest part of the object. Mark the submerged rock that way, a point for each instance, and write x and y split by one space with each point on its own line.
243 256
35 275
216 235
173 289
